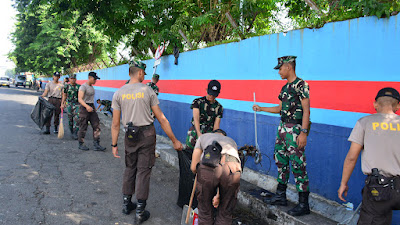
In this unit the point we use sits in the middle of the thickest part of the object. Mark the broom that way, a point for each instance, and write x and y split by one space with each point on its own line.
191 200
61 128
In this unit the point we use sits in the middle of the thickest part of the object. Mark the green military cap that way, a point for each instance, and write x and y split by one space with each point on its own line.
285 59
156 76
138 64
72 76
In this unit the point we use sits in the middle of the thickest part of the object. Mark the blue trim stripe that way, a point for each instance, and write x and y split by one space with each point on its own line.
322 116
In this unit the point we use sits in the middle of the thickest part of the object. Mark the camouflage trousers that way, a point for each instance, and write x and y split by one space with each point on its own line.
191 137
73 116
286 149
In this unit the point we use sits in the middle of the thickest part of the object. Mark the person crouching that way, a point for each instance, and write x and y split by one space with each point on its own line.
217 164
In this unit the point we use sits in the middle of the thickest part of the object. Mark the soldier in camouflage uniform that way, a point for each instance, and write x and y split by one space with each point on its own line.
294 108
207 114
70 100
106 104
153 83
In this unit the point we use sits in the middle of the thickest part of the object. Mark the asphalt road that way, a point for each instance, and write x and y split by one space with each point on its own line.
45 180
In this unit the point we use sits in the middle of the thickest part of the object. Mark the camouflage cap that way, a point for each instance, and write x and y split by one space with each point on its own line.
138 64
156 76
72 76
285 59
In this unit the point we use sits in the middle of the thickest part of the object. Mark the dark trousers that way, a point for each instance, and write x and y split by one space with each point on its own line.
57 103
208 179
84 117
139 160
379 213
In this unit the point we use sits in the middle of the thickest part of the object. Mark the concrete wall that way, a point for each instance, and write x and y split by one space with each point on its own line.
345 63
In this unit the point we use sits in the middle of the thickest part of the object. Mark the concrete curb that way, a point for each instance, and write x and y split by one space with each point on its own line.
324 211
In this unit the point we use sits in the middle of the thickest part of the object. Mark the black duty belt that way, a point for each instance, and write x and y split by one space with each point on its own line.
146 127
54 97
394 182
91 104
287 120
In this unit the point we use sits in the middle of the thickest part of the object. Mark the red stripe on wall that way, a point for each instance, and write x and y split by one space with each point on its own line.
352 96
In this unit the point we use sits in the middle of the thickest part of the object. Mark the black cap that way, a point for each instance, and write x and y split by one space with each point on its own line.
94 75
57 74
214 87
388 91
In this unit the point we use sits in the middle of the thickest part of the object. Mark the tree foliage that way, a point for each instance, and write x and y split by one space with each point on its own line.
61 34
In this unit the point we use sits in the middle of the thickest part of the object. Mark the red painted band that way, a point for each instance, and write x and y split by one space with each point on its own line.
352 96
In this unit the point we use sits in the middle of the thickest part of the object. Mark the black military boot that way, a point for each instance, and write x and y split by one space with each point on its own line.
55 129
75 134
97 146
72 132
47 130
280 196
303 207
128 205
82 146
141 214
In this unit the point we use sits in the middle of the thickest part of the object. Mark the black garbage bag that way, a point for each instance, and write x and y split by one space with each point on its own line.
186 179
42 112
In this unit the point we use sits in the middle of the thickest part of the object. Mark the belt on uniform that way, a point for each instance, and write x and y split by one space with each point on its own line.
146 127
91 104
286 120
54 97
394 182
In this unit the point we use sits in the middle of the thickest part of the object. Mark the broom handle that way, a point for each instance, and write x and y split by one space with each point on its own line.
255 120
191 200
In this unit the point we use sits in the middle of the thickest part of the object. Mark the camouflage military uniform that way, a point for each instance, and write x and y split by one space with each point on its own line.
208 113
154 87
107 105
286 148
72 106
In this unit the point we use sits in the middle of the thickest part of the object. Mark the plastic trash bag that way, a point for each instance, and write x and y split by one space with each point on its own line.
42 112
186 179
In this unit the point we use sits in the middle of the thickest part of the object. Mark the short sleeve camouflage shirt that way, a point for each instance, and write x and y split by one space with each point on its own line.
154 87
291 96
208 113
72 92
106 103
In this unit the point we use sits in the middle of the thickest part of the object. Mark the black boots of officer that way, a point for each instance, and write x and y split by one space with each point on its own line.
82 146
97 146
55 129
303 207
280 197
47 130
128 205
74 133
141 214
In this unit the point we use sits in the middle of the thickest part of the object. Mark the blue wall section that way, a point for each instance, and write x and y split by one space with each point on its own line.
355 50
358 49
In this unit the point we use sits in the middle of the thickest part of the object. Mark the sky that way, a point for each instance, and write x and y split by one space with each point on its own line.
7 18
